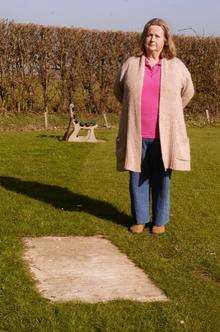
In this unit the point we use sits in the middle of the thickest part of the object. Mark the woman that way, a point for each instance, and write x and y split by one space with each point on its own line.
152 139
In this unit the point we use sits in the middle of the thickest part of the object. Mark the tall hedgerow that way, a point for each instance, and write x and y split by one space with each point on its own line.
46 68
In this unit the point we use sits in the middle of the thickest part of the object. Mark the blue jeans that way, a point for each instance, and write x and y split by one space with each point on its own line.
153 181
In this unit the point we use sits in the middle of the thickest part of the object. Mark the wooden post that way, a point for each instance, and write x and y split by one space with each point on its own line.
46 119
207 115
106 120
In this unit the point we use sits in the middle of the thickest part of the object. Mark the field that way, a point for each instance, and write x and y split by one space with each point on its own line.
51 187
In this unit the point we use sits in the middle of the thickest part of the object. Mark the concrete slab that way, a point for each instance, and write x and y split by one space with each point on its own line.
89 269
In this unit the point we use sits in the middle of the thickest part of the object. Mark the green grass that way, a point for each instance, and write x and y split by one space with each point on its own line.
51 187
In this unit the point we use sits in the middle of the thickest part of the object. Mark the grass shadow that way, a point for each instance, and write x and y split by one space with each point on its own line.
57 137
64 199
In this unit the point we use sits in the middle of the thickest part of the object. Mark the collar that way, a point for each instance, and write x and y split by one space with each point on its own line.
157 64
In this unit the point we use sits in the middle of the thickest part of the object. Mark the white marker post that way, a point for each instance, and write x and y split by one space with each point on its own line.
207 115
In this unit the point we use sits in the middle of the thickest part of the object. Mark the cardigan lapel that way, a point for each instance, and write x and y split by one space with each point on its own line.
140 81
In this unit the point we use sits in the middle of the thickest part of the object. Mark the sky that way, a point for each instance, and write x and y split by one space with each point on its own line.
188 17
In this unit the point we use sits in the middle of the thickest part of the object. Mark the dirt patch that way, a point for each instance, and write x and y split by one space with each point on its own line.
206 276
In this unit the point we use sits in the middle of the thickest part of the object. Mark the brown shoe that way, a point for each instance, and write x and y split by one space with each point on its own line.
158 229
137 229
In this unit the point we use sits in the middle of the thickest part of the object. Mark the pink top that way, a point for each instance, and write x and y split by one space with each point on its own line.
150 101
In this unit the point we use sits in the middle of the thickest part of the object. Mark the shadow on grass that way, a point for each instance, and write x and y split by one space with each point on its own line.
64 199
57 137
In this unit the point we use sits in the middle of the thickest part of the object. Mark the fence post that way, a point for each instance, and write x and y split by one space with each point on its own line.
46 119
207 115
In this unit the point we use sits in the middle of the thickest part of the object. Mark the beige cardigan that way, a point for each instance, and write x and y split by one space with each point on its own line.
176 90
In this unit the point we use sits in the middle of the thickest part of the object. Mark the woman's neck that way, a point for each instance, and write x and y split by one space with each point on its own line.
152 60
154 56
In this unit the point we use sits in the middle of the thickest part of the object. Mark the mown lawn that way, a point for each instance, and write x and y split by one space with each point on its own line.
50 187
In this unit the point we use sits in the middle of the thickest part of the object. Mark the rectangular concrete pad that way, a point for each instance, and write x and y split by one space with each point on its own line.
89 269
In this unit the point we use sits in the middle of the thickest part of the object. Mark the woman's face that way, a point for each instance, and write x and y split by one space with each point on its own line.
155 39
